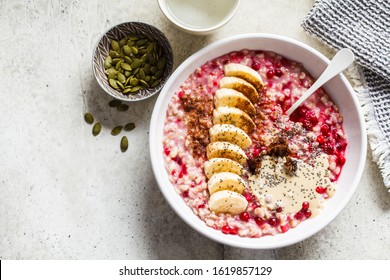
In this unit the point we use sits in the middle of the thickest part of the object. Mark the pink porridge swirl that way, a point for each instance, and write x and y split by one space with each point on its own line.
314 131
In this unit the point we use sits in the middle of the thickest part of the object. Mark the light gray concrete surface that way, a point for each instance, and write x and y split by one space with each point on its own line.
65 194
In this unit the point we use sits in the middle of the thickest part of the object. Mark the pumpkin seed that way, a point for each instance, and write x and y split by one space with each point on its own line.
96 129
114 103
123 41
120 85
115 45
113 54
153 69
88 118
121 78
129 127
144 58
113 83
115 61
128 60
107 62
143 51
135 72
141 42
147 69
126 66
143 83
142 74
124 144
134 50
161 63
136 63
122 107
127 73
150 47
135 89
133 37
116 130
127 90
155 83
118 65
134 82
130 42
159 74
111 70
112 75
127 50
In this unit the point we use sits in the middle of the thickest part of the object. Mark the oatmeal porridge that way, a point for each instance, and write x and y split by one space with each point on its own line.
227 138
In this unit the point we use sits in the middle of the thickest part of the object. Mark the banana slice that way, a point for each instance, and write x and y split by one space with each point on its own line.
226 150
227 202
230 133
234 116
217 165
231 98
240 85
226 181
244 72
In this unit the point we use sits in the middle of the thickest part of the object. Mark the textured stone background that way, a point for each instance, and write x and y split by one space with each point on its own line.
67 195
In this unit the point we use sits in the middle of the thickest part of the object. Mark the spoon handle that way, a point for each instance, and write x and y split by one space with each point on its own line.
340 61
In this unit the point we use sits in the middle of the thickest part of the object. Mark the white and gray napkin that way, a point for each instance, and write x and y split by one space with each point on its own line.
364 27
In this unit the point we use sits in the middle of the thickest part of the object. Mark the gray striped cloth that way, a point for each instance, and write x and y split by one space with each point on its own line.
364 27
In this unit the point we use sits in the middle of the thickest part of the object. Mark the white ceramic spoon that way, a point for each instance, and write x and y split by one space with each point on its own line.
340 61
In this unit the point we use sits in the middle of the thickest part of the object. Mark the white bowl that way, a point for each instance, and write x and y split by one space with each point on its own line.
338 88
199 16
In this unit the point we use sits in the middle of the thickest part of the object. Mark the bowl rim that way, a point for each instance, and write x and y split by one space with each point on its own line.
226 19
119 97
198 224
